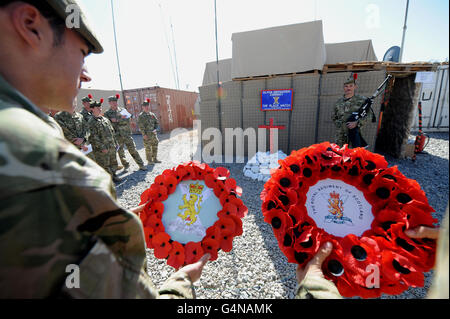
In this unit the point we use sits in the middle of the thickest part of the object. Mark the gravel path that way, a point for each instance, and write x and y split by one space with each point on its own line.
256 268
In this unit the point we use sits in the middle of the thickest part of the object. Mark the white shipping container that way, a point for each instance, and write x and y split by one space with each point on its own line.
435 107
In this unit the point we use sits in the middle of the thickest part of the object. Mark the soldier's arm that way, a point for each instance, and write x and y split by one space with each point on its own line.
316 287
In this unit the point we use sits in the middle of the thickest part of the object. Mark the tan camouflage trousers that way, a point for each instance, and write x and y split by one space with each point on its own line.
151 147
108 161
131 147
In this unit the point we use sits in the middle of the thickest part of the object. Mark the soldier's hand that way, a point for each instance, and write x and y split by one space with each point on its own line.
351 125
104 151
423 232
314 266
84 148
78 141
194 271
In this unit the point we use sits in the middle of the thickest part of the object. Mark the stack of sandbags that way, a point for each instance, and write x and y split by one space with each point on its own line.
259 166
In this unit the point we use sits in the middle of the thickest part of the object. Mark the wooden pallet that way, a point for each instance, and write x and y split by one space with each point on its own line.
391 67
260 77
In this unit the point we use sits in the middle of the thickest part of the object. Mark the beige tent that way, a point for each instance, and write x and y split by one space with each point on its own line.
354 51
278 50
210 75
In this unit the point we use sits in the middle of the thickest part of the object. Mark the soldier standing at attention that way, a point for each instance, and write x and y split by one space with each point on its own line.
343 108
103 142
148 123
86 111
122 131
58 208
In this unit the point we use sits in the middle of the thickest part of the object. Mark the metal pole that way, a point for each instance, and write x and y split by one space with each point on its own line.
117 53
217 64
404 32
175 55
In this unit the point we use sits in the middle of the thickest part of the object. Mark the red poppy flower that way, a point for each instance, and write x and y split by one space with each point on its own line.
193 252
180 172
285 179
161 245
210 180
190 173
170 182
226 243
153 221
219 188
237 225
159 180
176 255
149 233
211 246
158 193
221 173
242 210
226 198
398 268
213 232
156 208
226 226
145 196
279 220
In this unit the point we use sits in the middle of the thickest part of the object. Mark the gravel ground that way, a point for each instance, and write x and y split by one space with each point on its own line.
256 268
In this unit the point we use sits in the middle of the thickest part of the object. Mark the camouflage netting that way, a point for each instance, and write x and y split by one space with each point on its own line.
397 117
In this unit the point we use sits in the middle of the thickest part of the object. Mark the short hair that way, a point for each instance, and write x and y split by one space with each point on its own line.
57 24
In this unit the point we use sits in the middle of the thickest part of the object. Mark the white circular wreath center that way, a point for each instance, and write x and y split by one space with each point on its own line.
338 208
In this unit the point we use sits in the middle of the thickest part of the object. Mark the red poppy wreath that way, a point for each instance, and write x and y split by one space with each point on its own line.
191 210
351 198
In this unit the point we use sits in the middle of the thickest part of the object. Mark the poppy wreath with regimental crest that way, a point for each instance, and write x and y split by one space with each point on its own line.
324 178
219 236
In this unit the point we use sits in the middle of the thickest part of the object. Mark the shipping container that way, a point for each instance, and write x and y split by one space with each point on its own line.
173 108
435 107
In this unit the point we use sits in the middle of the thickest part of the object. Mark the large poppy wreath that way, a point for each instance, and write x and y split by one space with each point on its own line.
351 198
227 221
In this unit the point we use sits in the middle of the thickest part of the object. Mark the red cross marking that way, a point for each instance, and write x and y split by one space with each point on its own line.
272 127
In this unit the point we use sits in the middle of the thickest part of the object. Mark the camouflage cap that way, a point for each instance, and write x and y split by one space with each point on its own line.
70 9
87 98
352 78
114 97
146 102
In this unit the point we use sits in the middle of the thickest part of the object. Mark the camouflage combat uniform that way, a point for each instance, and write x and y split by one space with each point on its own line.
73 127
147 123
57 208
342 111
123 137
86 115
102 138
315 287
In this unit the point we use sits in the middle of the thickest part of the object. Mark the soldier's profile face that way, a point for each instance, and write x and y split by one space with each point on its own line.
65 70
145 108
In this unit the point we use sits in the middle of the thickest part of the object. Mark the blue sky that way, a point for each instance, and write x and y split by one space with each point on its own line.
144 33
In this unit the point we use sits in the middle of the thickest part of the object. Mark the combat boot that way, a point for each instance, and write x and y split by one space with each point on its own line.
142 168
157 161
116 179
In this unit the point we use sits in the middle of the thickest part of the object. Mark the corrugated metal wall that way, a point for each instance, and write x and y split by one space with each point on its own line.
174 108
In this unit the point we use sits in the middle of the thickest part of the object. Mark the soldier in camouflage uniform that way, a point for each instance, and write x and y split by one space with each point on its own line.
57 207
86 111
74 128
343 108
104 144
122 131
148 123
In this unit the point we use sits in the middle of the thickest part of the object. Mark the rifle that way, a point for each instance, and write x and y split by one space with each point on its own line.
354 135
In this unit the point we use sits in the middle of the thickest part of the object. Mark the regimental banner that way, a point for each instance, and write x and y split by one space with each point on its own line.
276 100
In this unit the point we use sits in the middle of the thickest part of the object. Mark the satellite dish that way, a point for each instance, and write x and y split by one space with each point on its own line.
392 54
